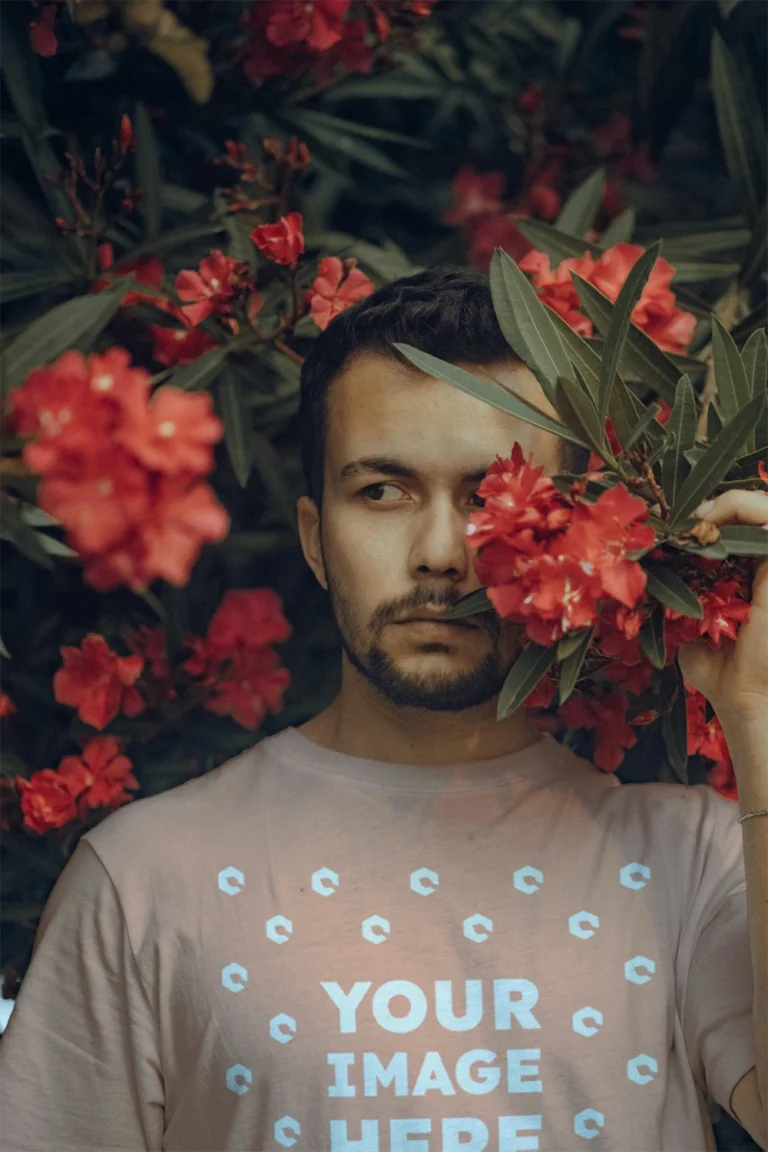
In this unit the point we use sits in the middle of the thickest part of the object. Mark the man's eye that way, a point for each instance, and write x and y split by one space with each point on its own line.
371 493
373 488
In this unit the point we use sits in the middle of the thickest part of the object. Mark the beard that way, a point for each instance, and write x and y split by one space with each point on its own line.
433 692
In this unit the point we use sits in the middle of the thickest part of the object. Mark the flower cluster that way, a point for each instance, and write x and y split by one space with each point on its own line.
549 560
338 284
487 220
98 682
96 778
121 469
236 659
293 37
556 564
656 312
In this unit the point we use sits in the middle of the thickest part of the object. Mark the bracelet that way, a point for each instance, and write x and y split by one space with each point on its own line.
746 816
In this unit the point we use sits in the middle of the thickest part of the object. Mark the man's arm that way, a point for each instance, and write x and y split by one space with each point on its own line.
79 1060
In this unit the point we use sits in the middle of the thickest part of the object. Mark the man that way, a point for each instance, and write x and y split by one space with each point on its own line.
404 925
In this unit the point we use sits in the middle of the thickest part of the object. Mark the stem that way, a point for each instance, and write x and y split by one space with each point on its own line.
289 352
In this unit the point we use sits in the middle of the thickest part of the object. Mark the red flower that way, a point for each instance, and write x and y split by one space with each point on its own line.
208 289
98 682
247 617
332 292
147 270
548 559
41 34
282 242
655 312
522 506
173 346
183 516
106 256
490 232
317 23
173 433
531 98
608 716
126 132
152 645
98 777
253 685
98 498
353 53
601 535
725 605
706 737
543 201
474 194
65 401
7 706
558 291
46 801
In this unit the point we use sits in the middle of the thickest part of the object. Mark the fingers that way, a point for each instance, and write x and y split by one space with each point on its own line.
738 506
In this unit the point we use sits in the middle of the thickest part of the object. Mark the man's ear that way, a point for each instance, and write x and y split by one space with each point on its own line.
308 519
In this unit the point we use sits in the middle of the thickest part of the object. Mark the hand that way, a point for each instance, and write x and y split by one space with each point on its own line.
735 680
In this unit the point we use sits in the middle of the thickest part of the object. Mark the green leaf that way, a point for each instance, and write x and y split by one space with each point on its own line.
741 126
620 230
744 539
652 642
674 724
714 426
716 461
569 643
621 318
345 144
579 412
523 677
488 391
201 372
20 285
236 435
471 605
337 124
681 425
74 324
580 209
753 259
641 428
526 324
640 355
581 354
553 243
733 389
147 173
571 666
702 271
17 532
754 357
669 589
271 469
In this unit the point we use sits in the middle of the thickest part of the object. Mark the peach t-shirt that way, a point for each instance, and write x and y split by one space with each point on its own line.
308 950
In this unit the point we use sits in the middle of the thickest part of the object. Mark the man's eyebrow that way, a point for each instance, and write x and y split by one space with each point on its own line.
390 466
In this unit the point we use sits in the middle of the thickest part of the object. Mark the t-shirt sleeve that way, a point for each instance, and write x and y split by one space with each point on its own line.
715 965
79 1062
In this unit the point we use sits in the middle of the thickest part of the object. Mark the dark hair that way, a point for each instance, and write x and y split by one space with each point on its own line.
447 311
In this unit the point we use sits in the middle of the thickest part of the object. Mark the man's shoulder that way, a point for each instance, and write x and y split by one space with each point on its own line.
168 822
680 813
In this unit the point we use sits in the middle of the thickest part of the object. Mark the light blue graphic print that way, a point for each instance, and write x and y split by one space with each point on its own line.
476 1072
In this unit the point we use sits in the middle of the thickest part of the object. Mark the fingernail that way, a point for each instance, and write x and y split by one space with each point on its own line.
704 508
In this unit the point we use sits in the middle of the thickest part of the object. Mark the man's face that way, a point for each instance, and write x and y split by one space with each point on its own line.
390 544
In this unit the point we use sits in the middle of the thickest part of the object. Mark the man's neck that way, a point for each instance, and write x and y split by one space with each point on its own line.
374 729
